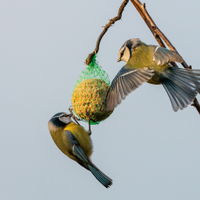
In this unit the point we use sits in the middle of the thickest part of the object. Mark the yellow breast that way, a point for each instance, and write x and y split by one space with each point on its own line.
143 57
62 141
82 137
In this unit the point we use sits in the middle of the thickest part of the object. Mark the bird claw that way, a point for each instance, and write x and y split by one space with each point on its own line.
89 132
88 114
76 119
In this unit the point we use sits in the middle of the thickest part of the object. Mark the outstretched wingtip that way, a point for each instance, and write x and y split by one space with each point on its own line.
124 83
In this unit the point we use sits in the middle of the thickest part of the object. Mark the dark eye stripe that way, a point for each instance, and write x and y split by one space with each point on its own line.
63 115
122 53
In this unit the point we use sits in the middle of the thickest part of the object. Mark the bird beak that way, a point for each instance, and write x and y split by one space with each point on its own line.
119 59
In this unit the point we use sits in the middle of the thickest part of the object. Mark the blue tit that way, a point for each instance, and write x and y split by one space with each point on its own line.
74 141
150 63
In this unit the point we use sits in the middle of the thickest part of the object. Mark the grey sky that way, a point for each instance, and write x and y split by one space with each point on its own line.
150 152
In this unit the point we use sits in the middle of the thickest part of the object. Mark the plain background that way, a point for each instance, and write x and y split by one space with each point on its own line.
149 151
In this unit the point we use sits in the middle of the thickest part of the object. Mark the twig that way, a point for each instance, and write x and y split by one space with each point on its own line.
196 105
160 37
106 27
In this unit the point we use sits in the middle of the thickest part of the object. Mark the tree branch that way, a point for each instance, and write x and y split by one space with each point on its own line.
160 37
106 27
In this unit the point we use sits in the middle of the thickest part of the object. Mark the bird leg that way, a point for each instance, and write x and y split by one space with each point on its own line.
88 114
76 119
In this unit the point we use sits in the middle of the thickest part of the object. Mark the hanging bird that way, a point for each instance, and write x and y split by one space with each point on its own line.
74 141
150 63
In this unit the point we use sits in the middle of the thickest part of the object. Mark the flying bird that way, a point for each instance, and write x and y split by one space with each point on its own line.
150 63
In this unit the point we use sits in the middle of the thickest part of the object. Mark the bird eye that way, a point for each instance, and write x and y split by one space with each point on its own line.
122 53
64 115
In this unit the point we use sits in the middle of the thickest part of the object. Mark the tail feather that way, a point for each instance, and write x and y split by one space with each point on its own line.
100 176
184 81
188 89
182 86
193 75
172 98
178 97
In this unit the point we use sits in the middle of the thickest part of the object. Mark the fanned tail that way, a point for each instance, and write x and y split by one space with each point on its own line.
181 85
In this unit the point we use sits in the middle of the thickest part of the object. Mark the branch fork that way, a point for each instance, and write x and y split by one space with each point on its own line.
157 33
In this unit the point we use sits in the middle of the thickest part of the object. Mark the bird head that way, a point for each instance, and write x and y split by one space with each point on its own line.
59 120
127 48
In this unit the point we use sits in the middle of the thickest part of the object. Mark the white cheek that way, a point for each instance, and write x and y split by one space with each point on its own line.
126 55
66 120
125 58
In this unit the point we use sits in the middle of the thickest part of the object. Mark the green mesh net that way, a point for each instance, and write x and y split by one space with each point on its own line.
89 94
93 71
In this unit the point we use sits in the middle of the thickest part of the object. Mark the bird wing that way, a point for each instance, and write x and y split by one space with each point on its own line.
124 83
76 148
162 56
78 152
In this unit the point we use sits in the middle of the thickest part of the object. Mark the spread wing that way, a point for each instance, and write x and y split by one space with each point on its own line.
163 55
124 83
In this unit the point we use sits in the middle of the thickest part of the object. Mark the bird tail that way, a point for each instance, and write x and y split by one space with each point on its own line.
181 85
100 176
